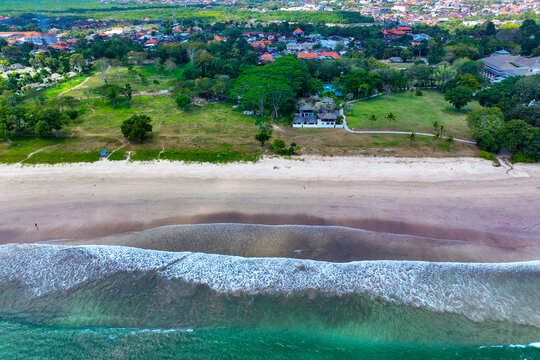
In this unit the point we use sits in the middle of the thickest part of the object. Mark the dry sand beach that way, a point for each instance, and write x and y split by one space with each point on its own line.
465 200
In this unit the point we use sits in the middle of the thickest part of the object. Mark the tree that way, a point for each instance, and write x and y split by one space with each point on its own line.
265 132
450 142
4 132
103 65
110 92
42 121
412 137
490 29
459 96
340 46
444 73
76 61
391 117
406 54
441 130
203 61
520 137
136 127
485 124
144 81
182 100
372 118
128 91
279 94
436 128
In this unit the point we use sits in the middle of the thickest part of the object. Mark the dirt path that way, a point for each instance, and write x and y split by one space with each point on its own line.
75 87
29 155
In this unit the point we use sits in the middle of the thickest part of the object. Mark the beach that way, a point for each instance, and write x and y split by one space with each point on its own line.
388 257
456 199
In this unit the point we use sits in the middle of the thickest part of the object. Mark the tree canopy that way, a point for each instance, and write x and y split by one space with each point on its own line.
459 96
136 127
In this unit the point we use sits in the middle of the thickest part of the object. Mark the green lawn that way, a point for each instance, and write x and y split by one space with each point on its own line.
414 113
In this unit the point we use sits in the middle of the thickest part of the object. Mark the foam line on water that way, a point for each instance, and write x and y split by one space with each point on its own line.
499 292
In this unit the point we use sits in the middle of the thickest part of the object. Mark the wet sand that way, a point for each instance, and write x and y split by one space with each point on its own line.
456 199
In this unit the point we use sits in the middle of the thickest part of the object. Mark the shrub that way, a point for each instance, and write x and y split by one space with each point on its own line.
72 114
418 92
279 144
489 156
520 158
182 100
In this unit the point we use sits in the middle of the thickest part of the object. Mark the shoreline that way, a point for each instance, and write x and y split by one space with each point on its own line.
309 167
465 199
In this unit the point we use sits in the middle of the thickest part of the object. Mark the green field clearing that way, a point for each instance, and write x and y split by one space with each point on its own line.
118 76
69 84
400 66
198 126
414 113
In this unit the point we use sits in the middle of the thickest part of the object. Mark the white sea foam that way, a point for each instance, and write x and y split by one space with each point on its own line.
500 292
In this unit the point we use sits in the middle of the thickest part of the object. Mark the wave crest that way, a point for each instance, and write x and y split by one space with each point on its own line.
157 288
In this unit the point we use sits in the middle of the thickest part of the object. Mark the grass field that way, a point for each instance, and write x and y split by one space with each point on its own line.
218 133
414 113
156 80
400 66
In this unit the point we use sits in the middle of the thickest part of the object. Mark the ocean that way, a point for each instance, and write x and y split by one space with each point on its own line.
117 302
23 341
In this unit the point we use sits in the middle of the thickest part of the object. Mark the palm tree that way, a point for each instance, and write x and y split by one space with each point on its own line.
390 117
436 125
412 137
372 118
450 141
441 130
436 128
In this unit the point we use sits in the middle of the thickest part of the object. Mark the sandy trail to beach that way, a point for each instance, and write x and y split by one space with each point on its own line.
463 199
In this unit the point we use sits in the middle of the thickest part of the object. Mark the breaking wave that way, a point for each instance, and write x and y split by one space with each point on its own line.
403 301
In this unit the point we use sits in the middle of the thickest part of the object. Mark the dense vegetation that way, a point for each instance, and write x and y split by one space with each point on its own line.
506 122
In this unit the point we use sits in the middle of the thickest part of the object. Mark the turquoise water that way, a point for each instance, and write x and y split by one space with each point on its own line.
20 341
106 302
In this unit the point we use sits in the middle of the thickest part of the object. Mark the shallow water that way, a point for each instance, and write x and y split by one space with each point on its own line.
20 341
117 302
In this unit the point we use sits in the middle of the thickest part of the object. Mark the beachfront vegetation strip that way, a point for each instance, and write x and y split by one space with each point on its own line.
413 113
216 91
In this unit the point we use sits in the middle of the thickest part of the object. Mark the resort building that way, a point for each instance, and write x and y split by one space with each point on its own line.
500 67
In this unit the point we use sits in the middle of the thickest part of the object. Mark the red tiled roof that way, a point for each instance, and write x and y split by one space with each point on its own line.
334 55
310 55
